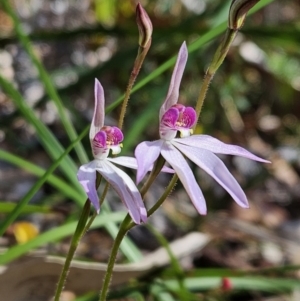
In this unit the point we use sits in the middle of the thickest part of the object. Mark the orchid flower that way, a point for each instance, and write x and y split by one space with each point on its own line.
103 139
200 149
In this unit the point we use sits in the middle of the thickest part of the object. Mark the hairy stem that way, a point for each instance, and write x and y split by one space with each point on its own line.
82 227
168 190
216 62
142 52
158 165
80 230
124 227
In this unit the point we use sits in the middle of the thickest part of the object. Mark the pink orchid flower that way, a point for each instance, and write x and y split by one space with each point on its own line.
103 139
200 149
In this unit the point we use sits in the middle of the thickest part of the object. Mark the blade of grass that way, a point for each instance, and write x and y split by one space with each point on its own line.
45 78
160 294
55 235
183 293
55 181
136 296
222 272
87 297
162 288
164 243
263 284
6 207
48 140
34 189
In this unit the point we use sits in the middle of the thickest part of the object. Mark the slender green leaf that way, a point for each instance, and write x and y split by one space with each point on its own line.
55 235
183 293
48 140
87 297
6 207
55 181
34 189
44 76
263 284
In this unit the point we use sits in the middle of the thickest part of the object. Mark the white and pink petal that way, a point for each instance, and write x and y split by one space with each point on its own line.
126 161
146 154
186 176
131 162
173 92
99 112
218 147
108 171
214 166
87 178
136 196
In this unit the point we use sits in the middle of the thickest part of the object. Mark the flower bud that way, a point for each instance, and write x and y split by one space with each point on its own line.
144 25
238 11
226 284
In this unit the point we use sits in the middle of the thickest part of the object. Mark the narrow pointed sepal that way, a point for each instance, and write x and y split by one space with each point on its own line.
146 154
87 178
173 93
99 112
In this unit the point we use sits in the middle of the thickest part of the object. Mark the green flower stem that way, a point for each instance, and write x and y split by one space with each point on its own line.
219 57
127 223
158 165
124 228
168 190
222 51
88 225
81 226
217 60
81 229
44 76
142 52
202 94
104 193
